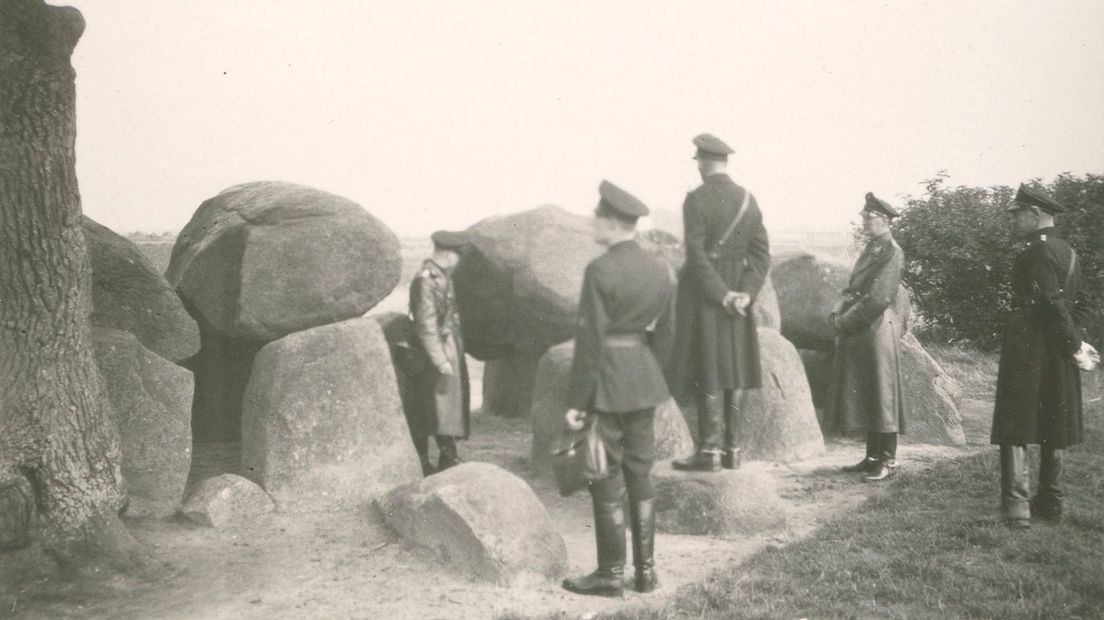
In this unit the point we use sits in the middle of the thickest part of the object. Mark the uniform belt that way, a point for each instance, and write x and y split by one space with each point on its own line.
624 340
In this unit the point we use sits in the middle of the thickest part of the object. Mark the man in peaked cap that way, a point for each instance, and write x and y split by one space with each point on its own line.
622 333
438 394
716 351
865 390
1038 382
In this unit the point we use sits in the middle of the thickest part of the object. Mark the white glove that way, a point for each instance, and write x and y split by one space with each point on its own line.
1086 357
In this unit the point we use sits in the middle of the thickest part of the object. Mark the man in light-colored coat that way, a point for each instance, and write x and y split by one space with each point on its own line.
865 392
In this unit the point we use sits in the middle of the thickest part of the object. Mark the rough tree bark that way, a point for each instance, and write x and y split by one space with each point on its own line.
60 482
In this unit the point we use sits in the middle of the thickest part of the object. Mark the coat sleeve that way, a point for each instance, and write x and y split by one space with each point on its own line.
701 268
1050 307
662 337
881 294
758 258
591 325
423 311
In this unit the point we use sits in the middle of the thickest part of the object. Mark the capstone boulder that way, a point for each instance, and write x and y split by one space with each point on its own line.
322 424
129 294
263 260
483 521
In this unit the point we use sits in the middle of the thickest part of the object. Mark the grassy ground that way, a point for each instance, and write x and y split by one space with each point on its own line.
930 546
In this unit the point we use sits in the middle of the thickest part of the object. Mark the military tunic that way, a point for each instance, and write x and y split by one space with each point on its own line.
713 349
438 404
865 390
1038 383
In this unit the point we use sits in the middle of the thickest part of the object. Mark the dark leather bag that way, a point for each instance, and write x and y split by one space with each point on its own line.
580 459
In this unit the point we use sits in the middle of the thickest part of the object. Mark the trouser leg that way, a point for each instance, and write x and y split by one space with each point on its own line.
733 409
447 454
887 448
639 455
421 446
710 421
873 443
1014 493
1048 499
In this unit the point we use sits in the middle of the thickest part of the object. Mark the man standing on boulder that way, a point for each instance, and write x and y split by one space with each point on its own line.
865 391
624 324
1038 382
716 352
439 394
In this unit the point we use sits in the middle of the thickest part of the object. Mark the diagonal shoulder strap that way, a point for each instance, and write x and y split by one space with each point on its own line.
1072 265
735 222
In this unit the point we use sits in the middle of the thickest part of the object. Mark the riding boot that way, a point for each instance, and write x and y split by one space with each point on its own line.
1014 480
421 445
887 446
446 447
710 425
730 457
609 532
642 516
867 464
1047 503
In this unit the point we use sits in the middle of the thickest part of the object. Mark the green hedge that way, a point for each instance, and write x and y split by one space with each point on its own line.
959 245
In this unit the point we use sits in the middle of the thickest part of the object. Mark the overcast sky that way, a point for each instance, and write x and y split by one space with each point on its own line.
437 114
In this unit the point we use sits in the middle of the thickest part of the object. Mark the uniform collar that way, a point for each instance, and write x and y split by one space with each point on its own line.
433 267
1041 234
624 245
719 177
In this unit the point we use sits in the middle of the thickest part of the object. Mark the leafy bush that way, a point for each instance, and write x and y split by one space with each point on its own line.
959 246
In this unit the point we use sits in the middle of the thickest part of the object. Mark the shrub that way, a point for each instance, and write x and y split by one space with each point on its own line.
959 246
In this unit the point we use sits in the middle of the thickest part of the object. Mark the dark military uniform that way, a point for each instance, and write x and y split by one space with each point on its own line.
624 321
1038 383
717 351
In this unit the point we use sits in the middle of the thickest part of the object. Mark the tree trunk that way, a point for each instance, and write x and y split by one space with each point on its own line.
57 442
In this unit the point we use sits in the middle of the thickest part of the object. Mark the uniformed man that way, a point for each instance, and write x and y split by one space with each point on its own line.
624 322
439 394
1038 385
716 351
865 391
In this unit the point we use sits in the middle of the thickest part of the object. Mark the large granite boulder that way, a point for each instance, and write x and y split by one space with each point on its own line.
779 422
151 401
262 260
129 294
767 312
728 503
931 398
672 437
322 425
226 500
483 521
808 286
508 383
518 286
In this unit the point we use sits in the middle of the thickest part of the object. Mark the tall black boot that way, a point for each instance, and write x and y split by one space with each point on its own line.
868 462
710 427
642 516
1047 503
609 532
733 402
421 445
447 456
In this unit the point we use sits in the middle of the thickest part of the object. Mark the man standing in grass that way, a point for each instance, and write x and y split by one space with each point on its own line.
1038 382
865 393
616 378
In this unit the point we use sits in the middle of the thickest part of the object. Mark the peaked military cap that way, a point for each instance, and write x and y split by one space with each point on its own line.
877 205
619 203
1031 197
449 240
711 147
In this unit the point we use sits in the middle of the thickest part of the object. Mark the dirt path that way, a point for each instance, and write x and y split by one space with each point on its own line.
354 566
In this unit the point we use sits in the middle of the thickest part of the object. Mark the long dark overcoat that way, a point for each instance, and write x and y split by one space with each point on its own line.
623 332
1038 383
437 404
714 350
865 390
